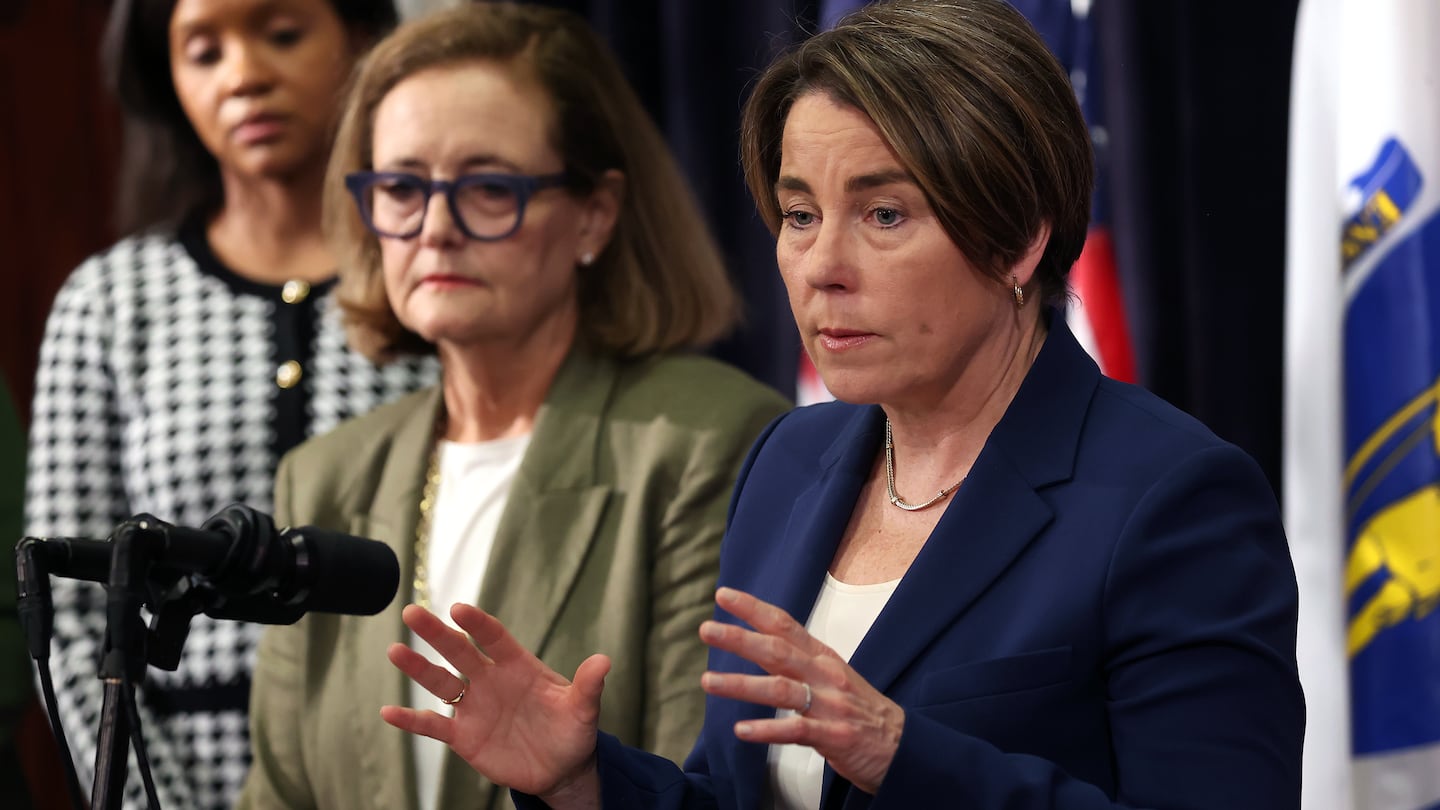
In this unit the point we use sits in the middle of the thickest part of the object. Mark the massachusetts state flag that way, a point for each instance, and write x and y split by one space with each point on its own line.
1362 454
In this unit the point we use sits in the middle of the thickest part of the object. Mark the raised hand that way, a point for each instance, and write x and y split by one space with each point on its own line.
517 721
846 720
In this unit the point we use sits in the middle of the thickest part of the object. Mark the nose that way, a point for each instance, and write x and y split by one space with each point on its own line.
439 228
248 71
829 260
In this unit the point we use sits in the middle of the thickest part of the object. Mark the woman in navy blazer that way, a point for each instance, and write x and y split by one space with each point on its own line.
1095 608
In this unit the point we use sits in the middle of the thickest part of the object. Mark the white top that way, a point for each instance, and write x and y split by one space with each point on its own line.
474 487
842 616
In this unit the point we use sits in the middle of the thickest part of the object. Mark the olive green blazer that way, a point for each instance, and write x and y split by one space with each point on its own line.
609 543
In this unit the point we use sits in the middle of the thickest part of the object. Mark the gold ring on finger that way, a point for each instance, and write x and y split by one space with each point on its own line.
464 686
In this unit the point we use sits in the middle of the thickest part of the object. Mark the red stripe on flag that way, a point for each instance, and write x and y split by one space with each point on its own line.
1095 280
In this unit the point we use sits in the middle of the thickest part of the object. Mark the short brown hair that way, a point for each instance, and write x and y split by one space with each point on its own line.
978 110
659 284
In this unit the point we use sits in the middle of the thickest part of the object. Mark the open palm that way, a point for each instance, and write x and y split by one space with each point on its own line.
519 723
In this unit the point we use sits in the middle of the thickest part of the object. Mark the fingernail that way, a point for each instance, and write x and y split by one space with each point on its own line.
712 680
742 729
725 595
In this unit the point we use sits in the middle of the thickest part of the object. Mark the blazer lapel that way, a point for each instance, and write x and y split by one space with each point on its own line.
992 519
818 518
556 504
394 513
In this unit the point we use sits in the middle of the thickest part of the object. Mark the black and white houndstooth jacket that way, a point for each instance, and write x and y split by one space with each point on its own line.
170 385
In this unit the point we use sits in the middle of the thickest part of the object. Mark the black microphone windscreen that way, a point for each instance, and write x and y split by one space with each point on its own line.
348 574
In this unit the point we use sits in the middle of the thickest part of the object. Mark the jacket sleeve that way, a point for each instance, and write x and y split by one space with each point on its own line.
75 488
685 568
277 777
1202 693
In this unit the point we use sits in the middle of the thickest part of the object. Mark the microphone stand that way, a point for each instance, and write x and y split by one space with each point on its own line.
123 663
237 566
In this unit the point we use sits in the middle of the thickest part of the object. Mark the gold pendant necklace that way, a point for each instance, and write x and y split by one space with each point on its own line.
890 478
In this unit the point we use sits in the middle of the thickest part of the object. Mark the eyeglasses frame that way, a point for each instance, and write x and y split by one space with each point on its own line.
524 186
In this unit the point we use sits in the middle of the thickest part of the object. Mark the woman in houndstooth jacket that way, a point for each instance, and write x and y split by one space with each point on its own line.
179 365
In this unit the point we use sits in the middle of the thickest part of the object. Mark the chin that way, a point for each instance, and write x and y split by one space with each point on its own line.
449 336
434 330
854 387
277 161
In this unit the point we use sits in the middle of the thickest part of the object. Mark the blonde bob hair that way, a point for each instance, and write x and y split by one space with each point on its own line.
977 109
659 284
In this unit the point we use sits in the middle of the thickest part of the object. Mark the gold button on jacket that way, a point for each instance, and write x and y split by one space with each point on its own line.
295 291
288 374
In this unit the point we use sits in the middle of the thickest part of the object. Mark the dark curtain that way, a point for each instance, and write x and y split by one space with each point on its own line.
1197 95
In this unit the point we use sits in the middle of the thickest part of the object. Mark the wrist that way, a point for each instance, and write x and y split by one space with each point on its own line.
894 728
579 791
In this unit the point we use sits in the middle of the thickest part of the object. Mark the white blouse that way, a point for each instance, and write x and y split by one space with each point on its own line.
842 616
474 487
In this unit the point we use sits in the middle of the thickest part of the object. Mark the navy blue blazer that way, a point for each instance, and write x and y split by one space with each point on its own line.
1103 617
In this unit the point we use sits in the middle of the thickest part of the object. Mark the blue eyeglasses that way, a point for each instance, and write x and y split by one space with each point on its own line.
487 207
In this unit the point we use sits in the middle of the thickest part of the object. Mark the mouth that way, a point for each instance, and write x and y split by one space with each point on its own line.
839 340
260 128
449 281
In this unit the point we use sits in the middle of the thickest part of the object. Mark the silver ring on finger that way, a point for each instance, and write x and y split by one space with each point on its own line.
809 696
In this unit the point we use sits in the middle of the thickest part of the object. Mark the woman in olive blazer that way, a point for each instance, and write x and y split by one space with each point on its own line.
515 211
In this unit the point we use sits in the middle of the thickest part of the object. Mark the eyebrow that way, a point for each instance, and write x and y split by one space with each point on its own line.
864 182
466 165
790 183
860 182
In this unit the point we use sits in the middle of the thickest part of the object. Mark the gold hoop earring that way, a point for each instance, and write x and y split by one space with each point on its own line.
1019 293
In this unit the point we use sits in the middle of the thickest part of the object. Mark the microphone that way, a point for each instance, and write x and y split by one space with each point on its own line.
243 567
320 571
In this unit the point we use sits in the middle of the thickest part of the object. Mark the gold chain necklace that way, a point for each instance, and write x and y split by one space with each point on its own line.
422 527
890 478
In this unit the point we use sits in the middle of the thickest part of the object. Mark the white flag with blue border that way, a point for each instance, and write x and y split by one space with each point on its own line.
1362 386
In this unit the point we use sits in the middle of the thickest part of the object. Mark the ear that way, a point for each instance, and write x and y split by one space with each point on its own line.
600 212
1024 270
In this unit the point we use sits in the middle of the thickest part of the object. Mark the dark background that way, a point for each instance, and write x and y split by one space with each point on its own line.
1197 96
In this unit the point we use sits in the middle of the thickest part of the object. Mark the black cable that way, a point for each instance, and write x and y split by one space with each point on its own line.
47 689
36 613
142 757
